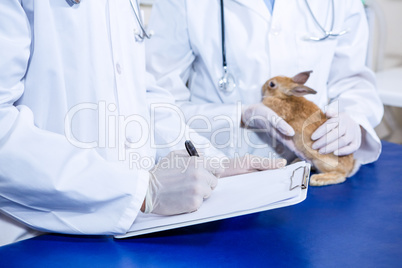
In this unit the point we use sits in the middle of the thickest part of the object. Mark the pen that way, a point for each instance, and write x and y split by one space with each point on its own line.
190 148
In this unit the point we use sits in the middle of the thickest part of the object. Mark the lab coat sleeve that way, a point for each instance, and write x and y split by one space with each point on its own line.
353 90
170 59
169 130
46 182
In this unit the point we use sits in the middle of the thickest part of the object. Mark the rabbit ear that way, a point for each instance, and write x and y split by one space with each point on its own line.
301 91
302 77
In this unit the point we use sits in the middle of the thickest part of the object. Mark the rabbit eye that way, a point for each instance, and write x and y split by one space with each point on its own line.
272 84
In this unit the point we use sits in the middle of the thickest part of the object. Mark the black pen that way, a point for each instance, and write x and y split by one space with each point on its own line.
190 148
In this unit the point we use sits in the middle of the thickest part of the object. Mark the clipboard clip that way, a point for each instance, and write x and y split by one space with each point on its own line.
304 181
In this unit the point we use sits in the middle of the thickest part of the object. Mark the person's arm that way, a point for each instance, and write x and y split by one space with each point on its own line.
351 85
46 182
170 59
169 133
168 127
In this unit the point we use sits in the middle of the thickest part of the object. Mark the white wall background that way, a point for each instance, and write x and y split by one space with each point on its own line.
392 10
391 129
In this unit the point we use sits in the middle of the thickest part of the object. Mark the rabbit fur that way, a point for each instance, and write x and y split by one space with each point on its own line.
284 95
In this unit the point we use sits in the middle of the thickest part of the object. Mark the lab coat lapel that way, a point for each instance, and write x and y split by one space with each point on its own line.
257 6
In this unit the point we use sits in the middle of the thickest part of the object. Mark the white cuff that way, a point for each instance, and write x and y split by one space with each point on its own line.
134 208
370 148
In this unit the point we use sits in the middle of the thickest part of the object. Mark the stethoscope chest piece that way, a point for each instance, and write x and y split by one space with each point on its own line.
227 84
73 2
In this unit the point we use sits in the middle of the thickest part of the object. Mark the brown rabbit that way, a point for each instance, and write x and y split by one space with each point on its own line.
284 95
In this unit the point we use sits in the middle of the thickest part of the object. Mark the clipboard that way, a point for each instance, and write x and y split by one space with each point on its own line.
235 196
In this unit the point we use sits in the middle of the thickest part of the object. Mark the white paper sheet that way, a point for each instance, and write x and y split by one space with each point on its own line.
235 196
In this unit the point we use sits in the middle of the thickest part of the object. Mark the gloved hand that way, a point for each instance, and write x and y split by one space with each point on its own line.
179 184
340 134
260 116
250 163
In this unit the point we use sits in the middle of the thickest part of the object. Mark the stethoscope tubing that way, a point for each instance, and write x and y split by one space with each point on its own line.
329 33
223 36
139 36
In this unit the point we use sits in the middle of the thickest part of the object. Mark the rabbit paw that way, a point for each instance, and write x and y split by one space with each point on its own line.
327 178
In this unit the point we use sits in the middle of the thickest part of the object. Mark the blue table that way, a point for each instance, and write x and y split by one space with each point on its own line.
354 224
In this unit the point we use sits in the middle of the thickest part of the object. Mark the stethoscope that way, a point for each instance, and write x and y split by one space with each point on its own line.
329 33
227 83
139 35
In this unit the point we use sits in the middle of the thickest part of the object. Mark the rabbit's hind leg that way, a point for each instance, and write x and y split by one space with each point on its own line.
328 178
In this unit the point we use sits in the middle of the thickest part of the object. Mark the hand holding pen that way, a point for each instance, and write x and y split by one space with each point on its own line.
179 183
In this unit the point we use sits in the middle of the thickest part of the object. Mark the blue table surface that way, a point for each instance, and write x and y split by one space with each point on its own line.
354 224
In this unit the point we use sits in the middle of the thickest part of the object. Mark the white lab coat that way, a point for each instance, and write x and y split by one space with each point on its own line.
75 144
186 51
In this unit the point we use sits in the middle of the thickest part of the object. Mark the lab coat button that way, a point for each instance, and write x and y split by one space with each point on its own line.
118 68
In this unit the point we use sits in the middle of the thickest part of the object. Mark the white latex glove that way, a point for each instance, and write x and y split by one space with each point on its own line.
340 134
261 117
250 163
179 184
